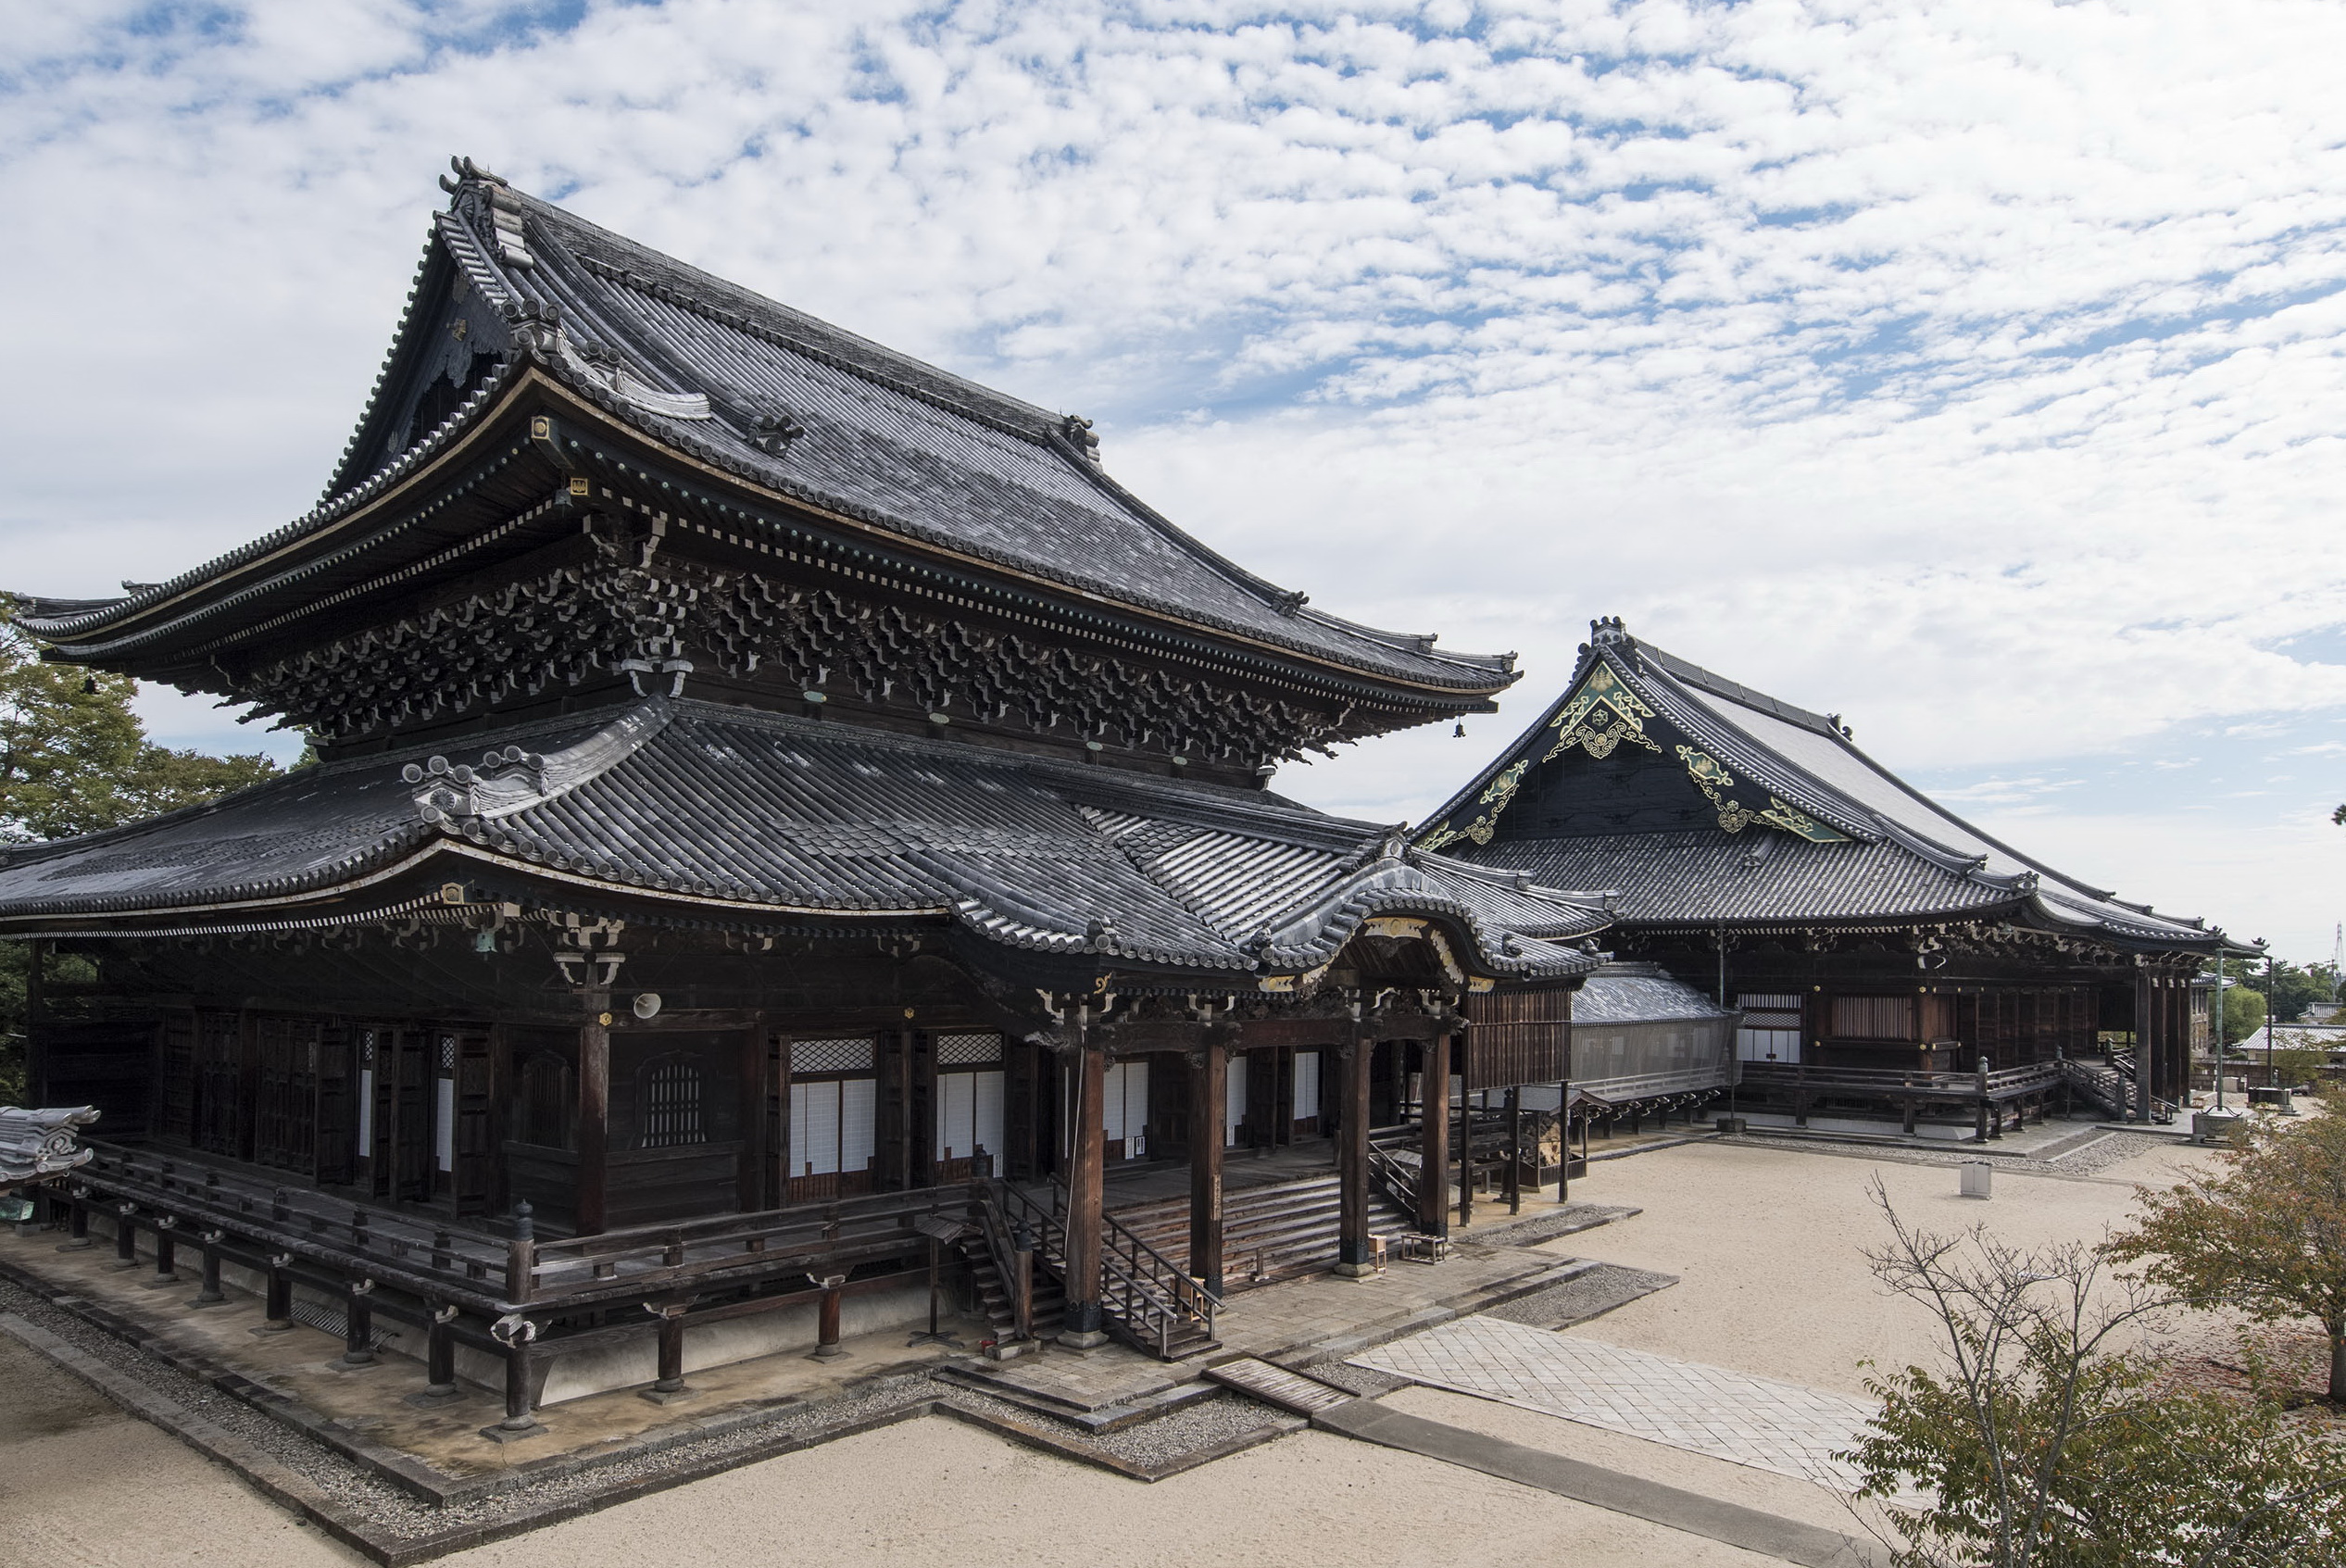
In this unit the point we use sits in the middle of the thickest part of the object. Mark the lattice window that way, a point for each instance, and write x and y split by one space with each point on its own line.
832 1056
547 1112
1873 1018
967 1051
672 1104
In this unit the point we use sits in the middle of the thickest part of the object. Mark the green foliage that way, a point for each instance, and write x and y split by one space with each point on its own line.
2290 988
2297 1064
2263 1232
2243 1014
2044 1442
74 758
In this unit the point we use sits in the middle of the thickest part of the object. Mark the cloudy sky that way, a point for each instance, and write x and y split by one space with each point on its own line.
1974 371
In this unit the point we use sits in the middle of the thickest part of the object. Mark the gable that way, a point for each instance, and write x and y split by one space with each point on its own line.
451 340
1605 762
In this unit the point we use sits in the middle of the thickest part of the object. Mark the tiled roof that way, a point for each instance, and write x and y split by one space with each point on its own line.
1640 992
697 363
733 816
1881 850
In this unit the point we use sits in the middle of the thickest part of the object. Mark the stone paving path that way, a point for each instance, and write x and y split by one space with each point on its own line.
1785 1427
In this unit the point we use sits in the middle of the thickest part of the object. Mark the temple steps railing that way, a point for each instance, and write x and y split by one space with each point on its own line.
1147 1300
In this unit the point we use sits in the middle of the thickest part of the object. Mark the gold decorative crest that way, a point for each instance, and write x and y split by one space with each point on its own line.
1501 791
1600 716
1715 782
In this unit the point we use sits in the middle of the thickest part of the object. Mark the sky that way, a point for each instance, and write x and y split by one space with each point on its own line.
1975 371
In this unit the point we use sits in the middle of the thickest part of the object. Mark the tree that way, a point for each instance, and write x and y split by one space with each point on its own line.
2045 1443
2263 1232
2243 1014
74 758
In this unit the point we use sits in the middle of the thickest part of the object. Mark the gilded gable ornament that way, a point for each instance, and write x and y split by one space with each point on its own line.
1600 716
1715 782
1501 791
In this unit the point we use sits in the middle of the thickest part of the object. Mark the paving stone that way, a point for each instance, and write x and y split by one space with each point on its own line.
1785 1427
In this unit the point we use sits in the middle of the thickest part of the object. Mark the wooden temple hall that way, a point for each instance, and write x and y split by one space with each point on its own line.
1884 958
786 821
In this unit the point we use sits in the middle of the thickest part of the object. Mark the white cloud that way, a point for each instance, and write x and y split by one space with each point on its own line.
1971 370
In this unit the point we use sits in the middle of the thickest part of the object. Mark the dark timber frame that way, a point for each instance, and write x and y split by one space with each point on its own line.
756 834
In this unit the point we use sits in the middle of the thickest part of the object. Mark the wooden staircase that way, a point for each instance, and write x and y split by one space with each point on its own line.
994 1292
1269 1233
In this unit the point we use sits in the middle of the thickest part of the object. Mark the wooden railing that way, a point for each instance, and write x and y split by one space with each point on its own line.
702 1255
2116 1086
188 1199
1999 1084
1146 1297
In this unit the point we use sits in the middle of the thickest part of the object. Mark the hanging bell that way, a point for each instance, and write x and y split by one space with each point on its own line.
1458 733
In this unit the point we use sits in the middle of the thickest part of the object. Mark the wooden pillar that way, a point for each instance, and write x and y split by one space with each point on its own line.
77 1220
781 1155
1209 1105
276 1309
1465 1153
1434 1137
593 1118
36 1015
165 1251
669 1386
126 1236
1086 1192
1515 1149
1355 1252
2145 1002
439 1358
1564 1141
749 1175
827 1346
359 1327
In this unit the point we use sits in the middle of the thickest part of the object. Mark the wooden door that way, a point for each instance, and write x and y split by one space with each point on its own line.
285 1108
217 1111
409 1153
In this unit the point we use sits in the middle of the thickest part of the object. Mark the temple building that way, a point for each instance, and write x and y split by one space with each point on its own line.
782 810
1886 956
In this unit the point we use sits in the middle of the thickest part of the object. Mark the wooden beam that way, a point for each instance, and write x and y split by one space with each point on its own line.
1434 1137
1087 1183
1355 1252
592 1205
1209 1105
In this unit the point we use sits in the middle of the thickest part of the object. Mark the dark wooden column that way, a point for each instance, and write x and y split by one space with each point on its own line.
749 1175
1433 1138
1087 1179
36 1015
594 1117
1355 1252
2146 1003
1209 1096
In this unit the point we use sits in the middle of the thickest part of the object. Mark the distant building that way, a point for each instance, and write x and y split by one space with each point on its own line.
1872 940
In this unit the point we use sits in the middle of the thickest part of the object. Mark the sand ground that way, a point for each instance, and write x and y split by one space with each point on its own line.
1768 1243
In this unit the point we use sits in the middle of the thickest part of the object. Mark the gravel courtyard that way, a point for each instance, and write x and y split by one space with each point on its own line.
1767 1241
